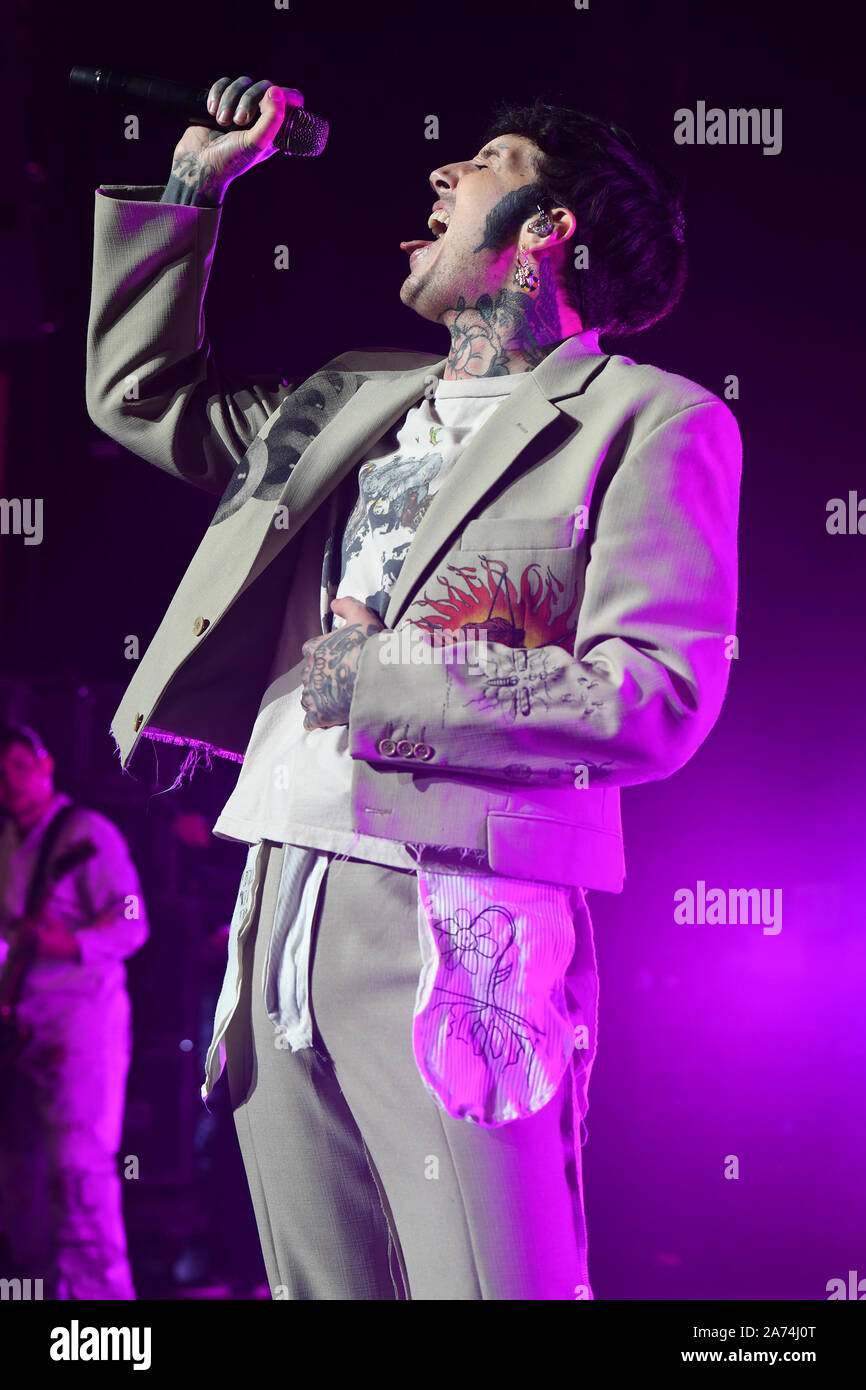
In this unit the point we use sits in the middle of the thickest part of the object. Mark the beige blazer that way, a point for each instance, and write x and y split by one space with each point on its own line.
601 497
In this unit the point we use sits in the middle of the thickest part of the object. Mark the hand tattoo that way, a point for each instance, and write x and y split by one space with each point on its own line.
329 674
192 183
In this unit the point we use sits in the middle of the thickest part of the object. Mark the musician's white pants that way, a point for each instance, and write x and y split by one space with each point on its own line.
61 1114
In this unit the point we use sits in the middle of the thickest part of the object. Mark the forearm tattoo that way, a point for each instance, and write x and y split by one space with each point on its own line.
331 671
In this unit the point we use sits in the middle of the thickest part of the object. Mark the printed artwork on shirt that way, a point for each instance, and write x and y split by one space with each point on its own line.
393 497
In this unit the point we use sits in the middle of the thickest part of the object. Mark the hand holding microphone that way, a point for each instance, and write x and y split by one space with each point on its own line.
206 161
266 118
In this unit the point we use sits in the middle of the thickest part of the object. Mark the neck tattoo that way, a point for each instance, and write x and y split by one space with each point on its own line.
498 336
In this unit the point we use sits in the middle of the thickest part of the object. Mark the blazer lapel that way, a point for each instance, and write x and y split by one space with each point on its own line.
374 408
522 415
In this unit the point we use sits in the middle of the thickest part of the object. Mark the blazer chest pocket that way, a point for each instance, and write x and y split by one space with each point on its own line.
520 533
518 579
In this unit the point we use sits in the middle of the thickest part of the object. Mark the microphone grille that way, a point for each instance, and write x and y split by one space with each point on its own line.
302 133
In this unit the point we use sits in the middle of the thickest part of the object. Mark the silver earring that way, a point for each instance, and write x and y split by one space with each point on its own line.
524 275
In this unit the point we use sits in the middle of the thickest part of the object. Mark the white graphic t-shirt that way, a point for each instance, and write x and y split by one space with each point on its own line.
397 482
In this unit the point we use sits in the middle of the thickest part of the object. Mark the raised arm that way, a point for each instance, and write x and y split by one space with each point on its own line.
152 382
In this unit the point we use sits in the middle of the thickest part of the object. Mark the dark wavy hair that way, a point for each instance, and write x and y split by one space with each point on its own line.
11 734
627 210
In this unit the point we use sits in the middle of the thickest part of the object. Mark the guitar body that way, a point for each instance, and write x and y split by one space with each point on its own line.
14 1033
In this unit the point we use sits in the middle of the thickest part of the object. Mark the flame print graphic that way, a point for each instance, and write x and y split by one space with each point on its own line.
515 615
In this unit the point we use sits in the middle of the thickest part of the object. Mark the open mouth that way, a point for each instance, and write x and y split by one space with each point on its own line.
438 222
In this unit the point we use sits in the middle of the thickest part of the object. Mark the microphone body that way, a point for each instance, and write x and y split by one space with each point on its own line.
302 132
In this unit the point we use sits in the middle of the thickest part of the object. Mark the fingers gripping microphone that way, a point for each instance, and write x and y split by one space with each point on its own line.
302 132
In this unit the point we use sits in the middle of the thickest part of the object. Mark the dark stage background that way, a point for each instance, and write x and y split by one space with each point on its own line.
714 1040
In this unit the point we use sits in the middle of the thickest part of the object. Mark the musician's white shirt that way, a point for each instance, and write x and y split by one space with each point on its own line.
105 886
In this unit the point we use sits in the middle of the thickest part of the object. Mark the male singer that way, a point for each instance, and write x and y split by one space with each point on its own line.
444 610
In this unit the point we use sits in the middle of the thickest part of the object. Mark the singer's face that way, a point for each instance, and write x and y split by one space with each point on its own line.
489 199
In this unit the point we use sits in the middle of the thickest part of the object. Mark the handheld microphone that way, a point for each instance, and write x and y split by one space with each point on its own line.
302 132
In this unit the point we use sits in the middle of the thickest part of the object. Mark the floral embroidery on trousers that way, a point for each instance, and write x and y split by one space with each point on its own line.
493 1033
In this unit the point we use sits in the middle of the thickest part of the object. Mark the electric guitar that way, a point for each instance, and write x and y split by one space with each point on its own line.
14 1033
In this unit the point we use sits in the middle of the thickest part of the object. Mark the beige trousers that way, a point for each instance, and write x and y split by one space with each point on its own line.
363 1188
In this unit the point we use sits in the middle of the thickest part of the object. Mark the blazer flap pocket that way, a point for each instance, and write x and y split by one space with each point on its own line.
541 847
518 533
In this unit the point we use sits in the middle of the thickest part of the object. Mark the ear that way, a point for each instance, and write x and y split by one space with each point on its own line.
564 227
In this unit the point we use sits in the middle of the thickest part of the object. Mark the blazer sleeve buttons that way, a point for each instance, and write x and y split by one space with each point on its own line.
405 748
199 626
